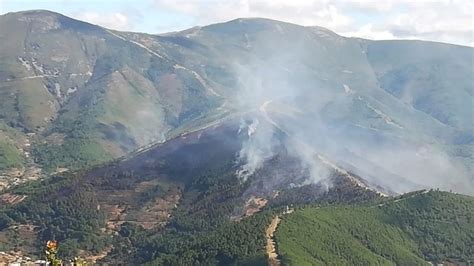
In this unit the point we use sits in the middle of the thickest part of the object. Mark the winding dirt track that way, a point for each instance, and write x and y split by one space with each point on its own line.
270 247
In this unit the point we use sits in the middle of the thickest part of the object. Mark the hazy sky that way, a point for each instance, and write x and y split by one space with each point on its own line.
449 21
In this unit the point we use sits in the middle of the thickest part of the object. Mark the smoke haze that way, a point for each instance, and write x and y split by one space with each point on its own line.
336 117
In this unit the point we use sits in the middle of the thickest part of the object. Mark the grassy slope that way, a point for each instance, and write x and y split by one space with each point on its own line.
134 97
433 226
10 154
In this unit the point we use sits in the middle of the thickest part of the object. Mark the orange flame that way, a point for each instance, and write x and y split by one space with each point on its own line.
52 244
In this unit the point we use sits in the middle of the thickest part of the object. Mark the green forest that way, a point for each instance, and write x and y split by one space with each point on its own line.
406 230
409 230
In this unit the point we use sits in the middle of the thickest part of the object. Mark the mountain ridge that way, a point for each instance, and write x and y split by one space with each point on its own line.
43 11
173 82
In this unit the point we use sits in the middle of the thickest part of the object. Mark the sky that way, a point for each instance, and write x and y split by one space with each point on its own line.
450 21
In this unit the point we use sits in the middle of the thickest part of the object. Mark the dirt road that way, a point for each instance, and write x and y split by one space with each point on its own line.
270 248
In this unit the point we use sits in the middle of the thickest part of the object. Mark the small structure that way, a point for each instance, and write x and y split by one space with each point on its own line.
288 210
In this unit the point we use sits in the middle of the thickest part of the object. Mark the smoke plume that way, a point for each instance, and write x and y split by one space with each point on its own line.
335 118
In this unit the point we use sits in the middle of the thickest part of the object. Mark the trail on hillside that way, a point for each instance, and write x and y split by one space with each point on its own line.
176 66
270 247
136 43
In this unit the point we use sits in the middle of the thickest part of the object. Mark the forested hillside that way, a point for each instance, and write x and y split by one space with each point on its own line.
179 203
408 230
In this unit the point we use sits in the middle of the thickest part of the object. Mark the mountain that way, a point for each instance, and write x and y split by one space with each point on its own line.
77 94
82 94
182 148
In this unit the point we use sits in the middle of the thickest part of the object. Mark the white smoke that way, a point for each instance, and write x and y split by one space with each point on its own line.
365 131
256 150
